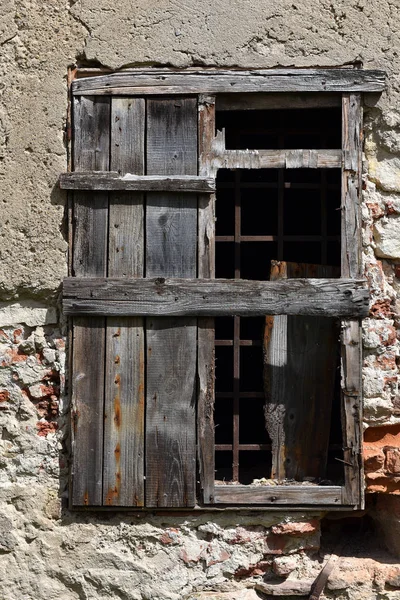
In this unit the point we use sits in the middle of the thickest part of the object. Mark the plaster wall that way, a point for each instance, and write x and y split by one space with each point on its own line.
47 552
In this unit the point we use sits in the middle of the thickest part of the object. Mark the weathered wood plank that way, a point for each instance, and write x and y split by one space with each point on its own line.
219 297
300 359
91 130
169 81
351 185
87 410
123 479
91 120
351 371
220 158
205 332
171 239
275 495
276 101
113 181
351 267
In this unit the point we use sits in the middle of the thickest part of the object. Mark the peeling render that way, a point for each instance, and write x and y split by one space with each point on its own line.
47 552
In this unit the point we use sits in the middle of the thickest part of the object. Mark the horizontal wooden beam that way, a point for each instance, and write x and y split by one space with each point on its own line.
113 181
212 81
274 159
290 494
219 297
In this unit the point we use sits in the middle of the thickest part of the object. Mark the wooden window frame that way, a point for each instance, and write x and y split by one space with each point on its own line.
134 297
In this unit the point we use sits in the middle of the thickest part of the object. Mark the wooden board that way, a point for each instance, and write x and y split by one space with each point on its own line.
93 180
213 81
218 297
351 267
171 239
123 483
91 130
205 332
301 356
276 495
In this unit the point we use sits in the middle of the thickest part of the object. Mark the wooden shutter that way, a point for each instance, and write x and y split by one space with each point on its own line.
133 234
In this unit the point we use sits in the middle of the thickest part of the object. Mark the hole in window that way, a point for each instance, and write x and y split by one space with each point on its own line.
263 215
286 129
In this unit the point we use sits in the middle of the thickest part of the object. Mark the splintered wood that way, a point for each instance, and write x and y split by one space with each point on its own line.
300 356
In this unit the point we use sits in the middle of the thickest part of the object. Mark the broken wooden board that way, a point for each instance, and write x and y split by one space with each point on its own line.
300 364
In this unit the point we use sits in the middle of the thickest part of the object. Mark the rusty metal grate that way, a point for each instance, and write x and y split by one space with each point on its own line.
236 187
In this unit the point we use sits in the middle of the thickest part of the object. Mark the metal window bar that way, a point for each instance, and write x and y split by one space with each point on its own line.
237 185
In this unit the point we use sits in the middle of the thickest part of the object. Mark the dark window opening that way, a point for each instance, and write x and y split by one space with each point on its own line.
283 129
264 215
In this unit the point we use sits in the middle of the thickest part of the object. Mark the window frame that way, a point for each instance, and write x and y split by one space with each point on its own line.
315 87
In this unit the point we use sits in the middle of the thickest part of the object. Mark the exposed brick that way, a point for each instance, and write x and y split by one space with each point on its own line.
381 308
4 395
302 528
253 570
392 463
46 427
374 458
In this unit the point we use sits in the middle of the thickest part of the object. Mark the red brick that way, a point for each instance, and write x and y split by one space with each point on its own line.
46 427
392 464
374 458
4 395
301 528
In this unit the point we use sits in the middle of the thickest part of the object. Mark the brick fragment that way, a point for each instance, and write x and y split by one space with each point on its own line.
392 463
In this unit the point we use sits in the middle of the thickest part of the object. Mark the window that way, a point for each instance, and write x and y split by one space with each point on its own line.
158 287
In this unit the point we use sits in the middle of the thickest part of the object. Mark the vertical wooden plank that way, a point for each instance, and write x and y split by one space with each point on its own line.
123 479
91 151
300 367
205 334
351 330
171 241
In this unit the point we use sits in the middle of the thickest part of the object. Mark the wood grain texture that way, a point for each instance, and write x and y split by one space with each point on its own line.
212 81
170 413
171 239
275 495
91 120
220 158
205 332
300 361
351 267
113 181
218 297
91 152
123 480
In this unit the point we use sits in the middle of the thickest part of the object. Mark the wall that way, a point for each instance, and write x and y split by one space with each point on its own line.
47 552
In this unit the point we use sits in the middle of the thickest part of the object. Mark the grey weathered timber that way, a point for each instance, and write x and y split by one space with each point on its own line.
351 371
170 413
220 158
351 267
88 340
212 81
273 101
171 239
351 185
218 297
205 332
113 181
91 121
275 495
123 479
300 361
